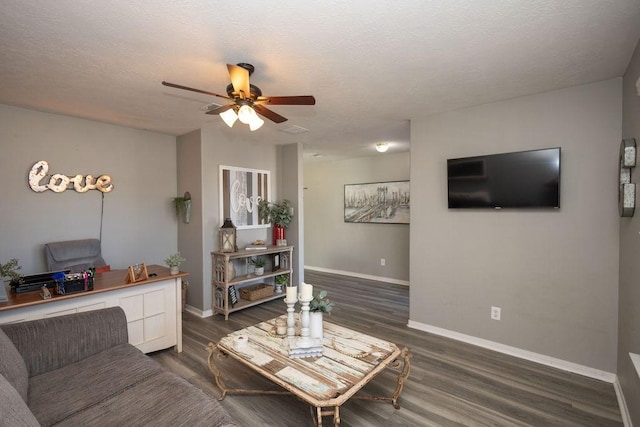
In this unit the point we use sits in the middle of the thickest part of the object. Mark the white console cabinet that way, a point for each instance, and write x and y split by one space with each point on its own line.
153 307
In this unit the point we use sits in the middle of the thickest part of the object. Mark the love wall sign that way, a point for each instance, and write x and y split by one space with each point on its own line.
59 183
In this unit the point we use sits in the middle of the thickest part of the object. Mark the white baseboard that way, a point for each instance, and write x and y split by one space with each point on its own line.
359 275
517 352
198 312
622 403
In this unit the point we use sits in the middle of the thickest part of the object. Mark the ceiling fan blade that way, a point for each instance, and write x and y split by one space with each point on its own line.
239 79
287 100
221 109
271 115
194 90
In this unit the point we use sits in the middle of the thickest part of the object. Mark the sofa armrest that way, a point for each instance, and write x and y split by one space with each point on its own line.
51 343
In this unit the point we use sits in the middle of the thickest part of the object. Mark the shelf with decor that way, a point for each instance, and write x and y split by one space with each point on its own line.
232 273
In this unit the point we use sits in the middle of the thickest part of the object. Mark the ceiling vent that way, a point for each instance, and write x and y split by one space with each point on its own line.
210 107
294 129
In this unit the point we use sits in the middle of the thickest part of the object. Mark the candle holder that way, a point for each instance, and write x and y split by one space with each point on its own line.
304 340
291 321
305 346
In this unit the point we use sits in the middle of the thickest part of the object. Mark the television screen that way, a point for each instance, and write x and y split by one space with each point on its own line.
525 179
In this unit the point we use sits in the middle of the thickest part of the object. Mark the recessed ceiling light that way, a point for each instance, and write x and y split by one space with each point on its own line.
382 147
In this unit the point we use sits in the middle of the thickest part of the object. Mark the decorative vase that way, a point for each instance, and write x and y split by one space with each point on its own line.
259 271
174 269
278 233
186 212
278 288
315 324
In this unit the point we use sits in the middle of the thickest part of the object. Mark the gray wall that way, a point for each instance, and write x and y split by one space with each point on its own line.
190 236
554 273
332 244
290 167
139 224
217 145
629 309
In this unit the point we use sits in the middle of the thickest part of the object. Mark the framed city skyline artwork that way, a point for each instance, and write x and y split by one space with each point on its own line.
377 202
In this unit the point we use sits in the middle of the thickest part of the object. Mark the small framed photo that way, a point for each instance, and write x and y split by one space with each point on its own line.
137 273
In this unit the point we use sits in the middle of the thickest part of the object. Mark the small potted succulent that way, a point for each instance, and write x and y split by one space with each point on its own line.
282 280
258 263
174 261
9 270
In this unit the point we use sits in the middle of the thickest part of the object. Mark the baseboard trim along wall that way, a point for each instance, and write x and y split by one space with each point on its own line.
517 352
535 357
622 403
197 312
358 275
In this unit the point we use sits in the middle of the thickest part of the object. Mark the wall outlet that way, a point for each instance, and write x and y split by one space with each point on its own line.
496 312
383 262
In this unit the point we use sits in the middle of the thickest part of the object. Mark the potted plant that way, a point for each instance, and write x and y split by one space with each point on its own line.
9 270
174 261
319 304
279 214
258 263
282 280
182 205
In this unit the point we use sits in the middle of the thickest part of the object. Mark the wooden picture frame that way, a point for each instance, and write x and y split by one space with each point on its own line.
241 190
137 273
377 202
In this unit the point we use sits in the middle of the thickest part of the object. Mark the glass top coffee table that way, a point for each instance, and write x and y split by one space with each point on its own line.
349 361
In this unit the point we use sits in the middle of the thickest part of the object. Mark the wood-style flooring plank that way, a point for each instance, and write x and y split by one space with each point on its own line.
451 383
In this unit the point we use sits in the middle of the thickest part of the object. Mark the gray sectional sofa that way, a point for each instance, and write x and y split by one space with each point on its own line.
79 370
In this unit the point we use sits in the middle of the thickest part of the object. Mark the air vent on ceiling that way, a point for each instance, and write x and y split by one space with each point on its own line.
210 107
294 129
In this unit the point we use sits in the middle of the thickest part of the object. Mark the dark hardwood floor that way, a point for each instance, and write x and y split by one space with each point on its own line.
451 383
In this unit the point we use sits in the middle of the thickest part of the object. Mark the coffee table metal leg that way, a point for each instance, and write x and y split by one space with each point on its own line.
402 365
217 375
317 417
215 371
405 356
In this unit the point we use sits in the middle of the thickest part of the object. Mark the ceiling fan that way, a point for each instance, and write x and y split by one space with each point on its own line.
246 100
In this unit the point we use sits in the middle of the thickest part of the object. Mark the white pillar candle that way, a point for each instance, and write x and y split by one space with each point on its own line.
292 293
306 291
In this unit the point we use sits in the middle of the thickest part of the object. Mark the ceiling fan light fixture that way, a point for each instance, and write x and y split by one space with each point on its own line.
229 117
382 147
246 114
256 123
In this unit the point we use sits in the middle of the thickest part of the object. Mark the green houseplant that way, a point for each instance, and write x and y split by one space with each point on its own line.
182 205
174 261
9 270
279 214
320 303
282 280
258 263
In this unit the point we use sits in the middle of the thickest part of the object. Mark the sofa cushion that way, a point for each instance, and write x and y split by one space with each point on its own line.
53 342
56 395
13 408
162 400
12 366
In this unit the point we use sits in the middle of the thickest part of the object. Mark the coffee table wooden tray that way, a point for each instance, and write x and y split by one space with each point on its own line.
349 361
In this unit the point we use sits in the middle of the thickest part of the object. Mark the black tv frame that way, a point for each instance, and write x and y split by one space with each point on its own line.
493 181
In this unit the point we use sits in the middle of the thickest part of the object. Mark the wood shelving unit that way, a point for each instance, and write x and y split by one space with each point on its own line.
225 264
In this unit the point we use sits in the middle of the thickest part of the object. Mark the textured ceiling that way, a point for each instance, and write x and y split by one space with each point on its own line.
372 66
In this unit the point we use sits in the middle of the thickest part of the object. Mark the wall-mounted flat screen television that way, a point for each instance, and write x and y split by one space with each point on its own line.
525 179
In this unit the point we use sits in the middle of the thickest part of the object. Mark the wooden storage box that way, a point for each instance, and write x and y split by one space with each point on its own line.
255 292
